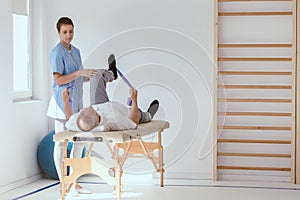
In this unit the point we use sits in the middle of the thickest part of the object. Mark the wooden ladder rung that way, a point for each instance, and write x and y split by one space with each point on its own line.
254 141
254 168
255 114
255 155
255 59
253 73
232 45
230 14
277 128
254 100
255 86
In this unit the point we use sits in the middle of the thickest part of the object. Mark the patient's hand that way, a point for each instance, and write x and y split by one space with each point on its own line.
133 94
65 95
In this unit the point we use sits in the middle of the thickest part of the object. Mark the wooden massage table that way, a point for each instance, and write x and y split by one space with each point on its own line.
129 141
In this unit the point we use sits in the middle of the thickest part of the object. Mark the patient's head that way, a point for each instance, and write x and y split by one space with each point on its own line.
88 119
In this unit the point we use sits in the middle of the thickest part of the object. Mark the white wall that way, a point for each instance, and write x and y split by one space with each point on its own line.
172 62
165 49
22 124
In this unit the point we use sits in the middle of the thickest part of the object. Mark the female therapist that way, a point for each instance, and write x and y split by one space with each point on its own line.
68 73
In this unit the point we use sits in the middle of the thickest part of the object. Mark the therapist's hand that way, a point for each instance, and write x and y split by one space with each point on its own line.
87 72
65 95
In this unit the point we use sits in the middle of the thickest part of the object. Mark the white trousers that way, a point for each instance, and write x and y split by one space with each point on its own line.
58 153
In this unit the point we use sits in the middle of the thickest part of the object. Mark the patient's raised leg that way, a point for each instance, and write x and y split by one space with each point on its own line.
98 86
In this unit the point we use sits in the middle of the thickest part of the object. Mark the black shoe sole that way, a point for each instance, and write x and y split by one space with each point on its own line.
112 65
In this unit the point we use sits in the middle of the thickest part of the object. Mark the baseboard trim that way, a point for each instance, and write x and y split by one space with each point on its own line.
20 183
178 175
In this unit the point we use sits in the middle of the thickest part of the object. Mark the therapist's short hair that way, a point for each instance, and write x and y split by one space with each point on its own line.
63 21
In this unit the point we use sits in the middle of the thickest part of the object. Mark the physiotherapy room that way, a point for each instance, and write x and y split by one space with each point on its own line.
224 72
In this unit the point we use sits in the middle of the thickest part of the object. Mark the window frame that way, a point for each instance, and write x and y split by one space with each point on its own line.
25 94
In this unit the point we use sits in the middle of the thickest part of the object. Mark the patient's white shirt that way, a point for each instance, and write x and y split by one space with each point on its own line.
114 117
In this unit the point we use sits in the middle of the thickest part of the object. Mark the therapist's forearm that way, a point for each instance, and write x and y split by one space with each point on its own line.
64 79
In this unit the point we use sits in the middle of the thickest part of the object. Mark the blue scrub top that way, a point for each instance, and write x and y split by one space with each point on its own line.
66 62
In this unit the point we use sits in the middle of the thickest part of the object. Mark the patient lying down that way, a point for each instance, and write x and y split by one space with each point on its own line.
108 116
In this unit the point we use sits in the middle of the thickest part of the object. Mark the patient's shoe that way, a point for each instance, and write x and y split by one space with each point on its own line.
112 65
153 107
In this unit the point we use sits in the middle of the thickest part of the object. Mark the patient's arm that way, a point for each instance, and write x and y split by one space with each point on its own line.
67 107
134 115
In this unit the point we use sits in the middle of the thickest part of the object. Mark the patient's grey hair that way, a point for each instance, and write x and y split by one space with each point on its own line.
86 120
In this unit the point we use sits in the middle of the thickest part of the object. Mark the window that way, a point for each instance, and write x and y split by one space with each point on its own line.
22 65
